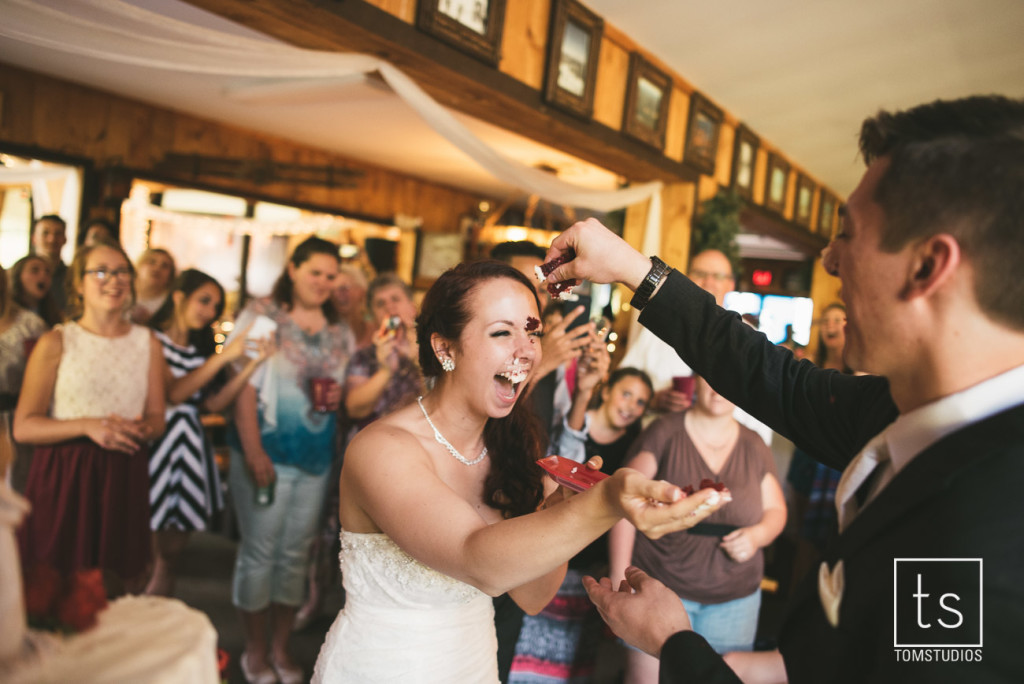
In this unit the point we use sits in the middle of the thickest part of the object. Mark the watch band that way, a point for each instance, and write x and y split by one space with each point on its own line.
643 293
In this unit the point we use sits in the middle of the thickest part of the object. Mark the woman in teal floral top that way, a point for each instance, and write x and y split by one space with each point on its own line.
279 440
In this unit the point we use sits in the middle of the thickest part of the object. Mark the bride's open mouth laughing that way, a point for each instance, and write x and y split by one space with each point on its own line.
510 380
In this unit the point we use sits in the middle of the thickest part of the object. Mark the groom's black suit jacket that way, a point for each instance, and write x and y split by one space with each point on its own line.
962 497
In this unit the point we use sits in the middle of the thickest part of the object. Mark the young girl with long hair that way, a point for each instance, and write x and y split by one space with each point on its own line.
32 288
607 429
184 487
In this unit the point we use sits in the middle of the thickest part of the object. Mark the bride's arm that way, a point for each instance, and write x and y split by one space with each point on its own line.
533 596
390 479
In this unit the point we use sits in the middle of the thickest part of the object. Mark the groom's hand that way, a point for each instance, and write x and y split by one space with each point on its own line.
601 256
646 618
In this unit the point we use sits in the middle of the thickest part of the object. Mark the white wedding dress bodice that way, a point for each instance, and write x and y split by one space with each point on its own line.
405 622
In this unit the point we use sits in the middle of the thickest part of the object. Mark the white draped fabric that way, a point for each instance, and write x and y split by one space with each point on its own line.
123 33
55 189
26 175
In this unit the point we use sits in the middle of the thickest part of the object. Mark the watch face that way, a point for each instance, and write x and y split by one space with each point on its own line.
470 13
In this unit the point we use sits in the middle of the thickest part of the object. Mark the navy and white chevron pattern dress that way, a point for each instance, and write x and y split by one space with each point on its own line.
184 487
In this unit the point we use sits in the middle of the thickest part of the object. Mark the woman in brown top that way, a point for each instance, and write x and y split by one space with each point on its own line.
716 568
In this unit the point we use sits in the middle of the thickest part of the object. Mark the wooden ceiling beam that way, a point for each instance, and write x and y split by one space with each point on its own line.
455 80
761 221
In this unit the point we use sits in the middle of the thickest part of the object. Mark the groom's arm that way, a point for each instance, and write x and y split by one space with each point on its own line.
825 412
686 658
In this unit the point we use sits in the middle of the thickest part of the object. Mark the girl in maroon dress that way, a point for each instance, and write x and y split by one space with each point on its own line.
93 397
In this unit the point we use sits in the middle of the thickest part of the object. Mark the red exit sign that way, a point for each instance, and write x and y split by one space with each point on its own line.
761 278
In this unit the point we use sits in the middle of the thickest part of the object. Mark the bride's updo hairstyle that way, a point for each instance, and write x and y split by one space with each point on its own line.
515 442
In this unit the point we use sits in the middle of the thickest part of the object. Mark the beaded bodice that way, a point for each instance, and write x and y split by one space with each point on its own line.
377 572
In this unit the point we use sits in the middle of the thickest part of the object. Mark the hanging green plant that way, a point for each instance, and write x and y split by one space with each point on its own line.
717 225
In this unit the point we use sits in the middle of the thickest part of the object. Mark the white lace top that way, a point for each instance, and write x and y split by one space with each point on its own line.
406 622
98 376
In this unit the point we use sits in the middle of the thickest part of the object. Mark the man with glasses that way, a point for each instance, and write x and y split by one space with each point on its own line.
712 271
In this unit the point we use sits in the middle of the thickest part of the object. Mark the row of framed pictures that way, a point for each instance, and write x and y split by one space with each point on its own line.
475 27
776 185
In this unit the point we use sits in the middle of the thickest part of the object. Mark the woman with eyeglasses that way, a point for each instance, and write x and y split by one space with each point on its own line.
92 398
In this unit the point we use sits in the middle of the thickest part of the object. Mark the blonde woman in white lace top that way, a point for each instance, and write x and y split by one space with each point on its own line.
92 400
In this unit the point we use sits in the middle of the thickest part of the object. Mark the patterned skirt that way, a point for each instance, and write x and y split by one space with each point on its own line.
184 489
559 644
90 508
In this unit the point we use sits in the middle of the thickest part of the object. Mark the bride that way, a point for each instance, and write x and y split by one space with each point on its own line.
443 507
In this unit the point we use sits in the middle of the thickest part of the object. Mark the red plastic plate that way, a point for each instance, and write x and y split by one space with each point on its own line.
568 473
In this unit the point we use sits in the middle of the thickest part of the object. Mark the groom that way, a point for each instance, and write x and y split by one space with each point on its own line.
924 582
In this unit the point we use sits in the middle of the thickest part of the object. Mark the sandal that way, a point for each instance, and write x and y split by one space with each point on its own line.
288 675
264 676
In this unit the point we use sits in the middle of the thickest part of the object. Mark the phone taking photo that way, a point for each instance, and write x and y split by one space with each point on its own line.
570 306
264 326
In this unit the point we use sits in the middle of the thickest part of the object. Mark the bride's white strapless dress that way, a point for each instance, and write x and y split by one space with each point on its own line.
405 622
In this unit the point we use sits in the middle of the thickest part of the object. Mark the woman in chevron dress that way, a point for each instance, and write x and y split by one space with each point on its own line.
184 489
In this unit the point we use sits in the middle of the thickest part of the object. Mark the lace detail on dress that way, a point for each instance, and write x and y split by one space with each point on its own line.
394 566
98 375
405 622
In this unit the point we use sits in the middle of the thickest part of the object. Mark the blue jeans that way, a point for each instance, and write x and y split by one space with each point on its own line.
273 556
729 626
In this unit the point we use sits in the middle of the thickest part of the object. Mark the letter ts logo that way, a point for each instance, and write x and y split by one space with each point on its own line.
937 602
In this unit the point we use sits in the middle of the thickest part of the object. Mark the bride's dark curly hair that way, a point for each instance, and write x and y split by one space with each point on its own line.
515 442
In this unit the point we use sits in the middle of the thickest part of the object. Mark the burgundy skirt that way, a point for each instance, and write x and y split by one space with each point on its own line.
90 509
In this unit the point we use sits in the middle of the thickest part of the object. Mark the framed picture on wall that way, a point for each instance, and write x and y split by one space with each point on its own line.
573 47
473 26
435 254
776 183
744 161
701 150
648 90
827 214
804 200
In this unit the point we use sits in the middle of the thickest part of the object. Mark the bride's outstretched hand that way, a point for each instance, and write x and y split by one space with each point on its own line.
657 508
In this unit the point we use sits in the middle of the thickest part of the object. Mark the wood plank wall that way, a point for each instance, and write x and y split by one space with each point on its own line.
111 131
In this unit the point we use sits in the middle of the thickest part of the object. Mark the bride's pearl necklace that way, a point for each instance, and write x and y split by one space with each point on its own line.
445 443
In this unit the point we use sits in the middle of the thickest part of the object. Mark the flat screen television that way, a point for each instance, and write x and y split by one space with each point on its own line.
774 313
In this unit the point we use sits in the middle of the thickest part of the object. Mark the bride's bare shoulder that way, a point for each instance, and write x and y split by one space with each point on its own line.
394 436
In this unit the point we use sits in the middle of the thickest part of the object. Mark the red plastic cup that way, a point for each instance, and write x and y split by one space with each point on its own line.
684 384
320 388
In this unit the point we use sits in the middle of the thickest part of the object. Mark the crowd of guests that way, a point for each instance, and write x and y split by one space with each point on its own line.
108 366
